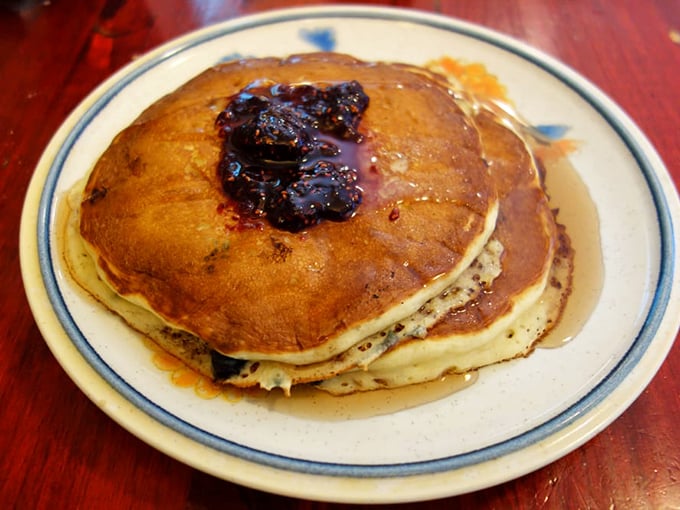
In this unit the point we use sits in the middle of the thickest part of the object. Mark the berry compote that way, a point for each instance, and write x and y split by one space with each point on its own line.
289 152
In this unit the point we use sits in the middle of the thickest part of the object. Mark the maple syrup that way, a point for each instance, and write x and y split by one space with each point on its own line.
578 213
310 403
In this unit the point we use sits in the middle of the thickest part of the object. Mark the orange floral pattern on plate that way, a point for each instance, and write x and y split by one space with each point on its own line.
473 76
476 79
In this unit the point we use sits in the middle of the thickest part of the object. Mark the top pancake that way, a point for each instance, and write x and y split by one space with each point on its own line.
163 233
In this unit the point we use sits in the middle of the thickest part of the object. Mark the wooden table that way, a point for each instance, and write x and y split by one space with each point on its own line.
60 451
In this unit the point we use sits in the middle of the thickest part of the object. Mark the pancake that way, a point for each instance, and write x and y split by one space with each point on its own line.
165 238
449 260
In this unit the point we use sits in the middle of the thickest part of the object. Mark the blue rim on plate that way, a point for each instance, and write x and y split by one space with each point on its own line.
598 394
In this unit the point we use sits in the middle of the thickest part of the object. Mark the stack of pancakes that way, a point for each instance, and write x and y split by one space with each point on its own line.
453 260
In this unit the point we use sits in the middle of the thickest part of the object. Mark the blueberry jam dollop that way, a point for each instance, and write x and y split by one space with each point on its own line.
289 152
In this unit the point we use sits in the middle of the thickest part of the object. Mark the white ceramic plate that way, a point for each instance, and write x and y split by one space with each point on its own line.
516 418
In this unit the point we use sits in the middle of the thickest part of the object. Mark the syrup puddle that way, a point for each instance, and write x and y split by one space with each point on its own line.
577 212
312 404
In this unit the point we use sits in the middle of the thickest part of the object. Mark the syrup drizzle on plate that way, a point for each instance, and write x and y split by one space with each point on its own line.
577 212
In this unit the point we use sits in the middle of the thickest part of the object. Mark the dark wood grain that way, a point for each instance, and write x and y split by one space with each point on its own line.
60 451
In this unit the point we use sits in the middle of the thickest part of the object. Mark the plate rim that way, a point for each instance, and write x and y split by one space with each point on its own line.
646 158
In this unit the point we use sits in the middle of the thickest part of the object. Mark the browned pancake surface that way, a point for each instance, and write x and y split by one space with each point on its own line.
161 228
